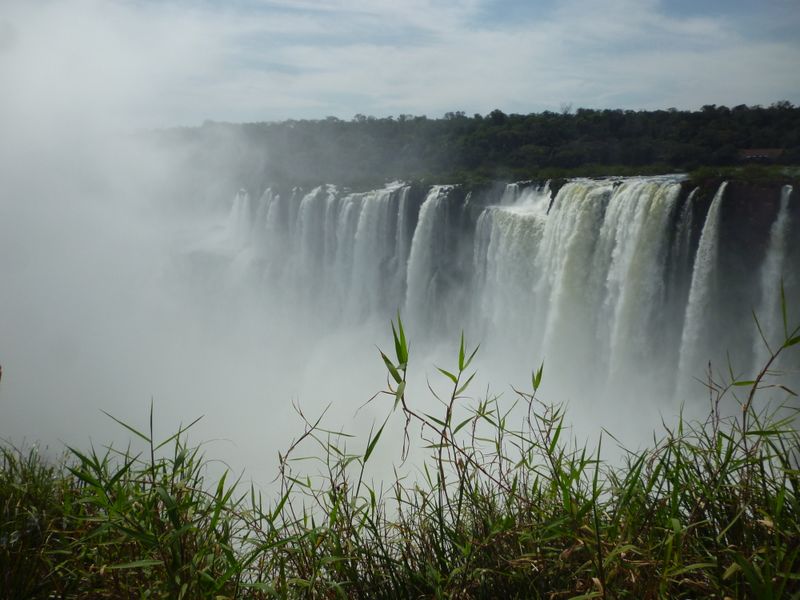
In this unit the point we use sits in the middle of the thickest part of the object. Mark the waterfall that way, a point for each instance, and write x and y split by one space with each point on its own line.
240 221
375 244
635 284
605 280
424 259
695 345
585 278
510 194
773 271
309 241
402 245
506 244
262 211
681 256
340 275
564 288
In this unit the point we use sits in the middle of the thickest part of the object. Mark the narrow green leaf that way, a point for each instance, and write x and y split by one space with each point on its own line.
403 342
398 349
537 377
85 477
136 564
218 500
398 393
435 420
792 341
449 375
461 353
466 383
280 505
692 567
118 475
555 439
126 426
733 568
471 356
177 434
392 369
461 425
373 442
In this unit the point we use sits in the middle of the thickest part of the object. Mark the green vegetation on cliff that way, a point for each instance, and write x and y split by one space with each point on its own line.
458 148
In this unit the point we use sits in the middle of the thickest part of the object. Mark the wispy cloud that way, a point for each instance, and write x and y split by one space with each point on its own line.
179 62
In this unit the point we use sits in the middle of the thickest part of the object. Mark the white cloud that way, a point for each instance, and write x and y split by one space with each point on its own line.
165 63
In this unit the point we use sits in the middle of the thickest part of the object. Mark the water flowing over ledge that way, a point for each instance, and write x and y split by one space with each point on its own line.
630 284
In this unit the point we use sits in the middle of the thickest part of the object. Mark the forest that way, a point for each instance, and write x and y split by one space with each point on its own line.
457 148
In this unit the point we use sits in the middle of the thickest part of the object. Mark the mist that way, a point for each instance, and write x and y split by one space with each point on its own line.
125 282
92 212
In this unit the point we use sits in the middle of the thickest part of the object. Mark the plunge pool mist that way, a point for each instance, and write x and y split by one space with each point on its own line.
128 285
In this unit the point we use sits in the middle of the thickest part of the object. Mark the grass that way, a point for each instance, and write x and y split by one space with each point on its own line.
503 508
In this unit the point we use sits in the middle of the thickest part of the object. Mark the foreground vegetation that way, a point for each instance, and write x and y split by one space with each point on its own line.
503 508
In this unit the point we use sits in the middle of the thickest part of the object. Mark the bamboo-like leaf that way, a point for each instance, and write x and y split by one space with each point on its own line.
471 356
126 426
136 564
371 444
461 353
537 377
555 439
449 375
461 425
122 470
465 385
177 434
400 345
435 420
171 506
392 369
746 383
398 349
82 475
690 568
398 393
280 505
733 568
403 342
218 501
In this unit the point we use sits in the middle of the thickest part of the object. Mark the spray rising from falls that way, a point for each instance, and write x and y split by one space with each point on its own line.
609 281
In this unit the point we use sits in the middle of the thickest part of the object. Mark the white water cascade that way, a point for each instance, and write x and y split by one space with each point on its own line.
425 258
607 281
773 272
695 342
240 221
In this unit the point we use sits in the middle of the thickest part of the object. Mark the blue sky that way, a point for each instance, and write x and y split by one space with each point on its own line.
154 63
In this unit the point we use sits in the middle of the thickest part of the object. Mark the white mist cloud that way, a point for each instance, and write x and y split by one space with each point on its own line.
88 320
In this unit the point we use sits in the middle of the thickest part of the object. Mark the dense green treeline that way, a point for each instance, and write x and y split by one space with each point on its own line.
458 148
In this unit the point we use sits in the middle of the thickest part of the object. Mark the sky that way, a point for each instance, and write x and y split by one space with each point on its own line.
147 63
